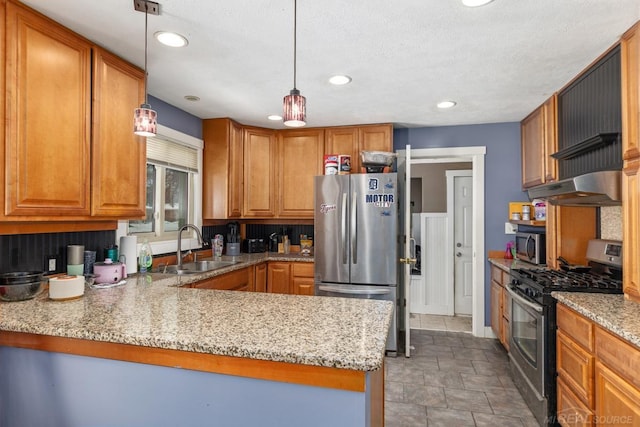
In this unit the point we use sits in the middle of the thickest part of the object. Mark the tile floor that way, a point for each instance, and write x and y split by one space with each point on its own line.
452 379
434 322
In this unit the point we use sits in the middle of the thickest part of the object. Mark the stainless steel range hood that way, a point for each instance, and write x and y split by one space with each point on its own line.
602 188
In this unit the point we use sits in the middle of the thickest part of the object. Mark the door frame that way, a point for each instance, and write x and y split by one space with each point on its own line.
451 175
476 156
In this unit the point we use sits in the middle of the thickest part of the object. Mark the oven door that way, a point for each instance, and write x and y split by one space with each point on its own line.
527 340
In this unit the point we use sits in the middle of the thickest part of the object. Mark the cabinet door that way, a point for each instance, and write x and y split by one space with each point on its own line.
374 138
496 309
617 402
343 140
259 173
630 49
572 412
278 277
533 149
260 282
239 280
550 139
48 117
118 158
222 164
300 158
302 286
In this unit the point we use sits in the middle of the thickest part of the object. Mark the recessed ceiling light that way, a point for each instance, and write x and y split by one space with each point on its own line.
168 38
192 98
446 104
274 117
340 79
475 3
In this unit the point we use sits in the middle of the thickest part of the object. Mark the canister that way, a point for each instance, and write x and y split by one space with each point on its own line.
330 164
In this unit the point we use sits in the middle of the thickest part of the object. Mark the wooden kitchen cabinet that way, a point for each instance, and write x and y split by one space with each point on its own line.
630 51
300 159
260 281
48 118
279 277
500 305
68 156
538 142
302 280
239 280
354 139
118 159
568 231
597 373
259 173
222 177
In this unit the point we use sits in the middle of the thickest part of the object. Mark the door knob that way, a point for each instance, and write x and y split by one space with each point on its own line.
459 254
458 244
408 260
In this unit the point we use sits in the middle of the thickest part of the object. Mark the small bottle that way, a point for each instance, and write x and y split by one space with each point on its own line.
286 244
508 254
145 257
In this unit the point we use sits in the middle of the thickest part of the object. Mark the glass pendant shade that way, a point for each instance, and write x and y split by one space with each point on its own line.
145 121
295 109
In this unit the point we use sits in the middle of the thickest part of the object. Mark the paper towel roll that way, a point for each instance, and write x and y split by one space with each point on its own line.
128 248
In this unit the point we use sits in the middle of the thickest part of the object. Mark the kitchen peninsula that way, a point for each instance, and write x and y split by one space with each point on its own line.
153 353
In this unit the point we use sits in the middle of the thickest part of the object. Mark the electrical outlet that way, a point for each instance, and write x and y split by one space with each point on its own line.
510 228
51 264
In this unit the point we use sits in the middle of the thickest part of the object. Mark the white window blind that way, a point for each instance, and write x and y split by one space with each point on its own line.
163 152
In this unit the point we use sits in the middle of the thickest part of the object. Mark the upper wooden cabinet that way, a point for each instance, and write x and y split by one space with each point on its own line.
538 142
259 173
223 157
68 156
630 51
300 159
118 158
48 117
253 172
354 139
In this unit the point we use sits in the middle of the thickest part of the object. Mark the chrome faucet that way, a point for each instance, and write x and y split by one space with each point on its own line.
179 252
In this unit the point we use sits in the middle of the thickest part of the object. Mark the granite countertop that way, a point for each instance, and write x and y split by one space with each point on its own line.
507 264
612 312
149 310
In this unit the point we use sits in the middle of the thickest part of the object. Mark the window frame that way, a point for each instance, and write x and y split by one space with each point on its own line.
189 239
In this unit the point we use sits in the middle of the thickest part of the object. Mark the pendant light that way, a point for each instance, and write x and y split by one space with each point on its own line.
144 118
294 105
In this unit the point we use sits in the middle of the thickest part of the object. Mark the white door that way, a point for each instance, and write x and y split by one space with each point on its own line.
463 242
404 184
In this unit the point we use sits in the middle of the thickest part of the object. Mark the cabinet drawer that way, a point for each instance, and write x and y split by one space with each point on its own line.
575 367
303 269
576 326
620 356
496 275
571 410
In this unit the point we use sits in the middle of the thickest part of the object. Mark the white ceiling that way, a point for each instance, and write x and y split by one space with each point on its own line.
498 62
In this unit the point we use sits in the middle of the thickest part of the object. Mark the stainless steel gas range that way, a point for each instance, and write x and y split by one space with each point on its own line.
532 345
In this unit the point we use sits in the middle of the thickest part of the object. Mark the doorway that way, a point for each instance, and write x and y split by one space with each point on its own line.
475 156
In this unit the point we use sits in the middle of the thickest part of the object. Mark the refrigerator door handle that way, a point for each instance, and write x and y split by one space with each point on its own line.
341 290
354 228
343 230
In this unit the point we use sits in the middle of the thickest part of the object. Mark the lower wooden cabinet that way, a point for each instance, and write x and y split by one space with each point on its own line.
260 282
239 280
302 281
598 381
500 305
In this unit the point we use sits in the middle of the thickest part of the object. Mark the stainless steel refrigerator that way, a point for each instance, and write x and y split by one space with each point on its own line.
356 239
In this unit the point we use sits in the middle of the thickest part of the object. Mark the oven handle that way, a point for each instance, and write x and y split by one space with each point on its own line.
523 301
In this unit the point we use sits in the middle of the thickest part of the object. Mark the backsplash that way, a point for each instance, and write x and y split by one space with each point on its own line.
27 252
611 222
257 231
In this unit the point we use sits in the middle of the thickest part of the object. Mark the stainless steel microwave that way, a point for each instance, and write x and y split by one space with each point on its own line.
531 247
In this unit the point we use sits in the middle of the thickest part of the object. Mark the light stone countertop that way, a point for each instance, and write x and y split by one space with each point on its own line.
507 264
612 312
150 310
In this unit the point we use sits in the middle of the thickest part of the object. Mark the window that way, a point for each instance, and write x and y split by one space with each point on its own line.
173 190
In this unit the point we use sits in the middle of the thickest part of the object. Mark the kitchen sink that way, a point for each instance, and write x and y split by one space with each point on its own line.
196 267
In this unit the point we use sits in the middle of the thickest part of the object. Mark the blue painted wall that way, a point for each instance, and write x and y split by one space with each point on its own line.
503 176
176 119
